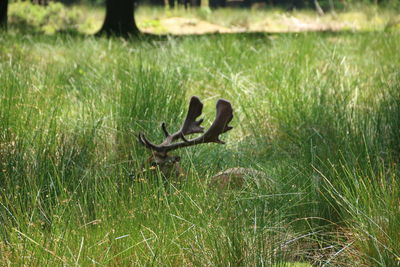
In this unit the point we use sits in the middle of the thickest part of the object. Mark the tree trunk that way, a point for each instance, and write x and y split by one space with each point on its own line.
3 13
195 3
216 3
40 2
120 20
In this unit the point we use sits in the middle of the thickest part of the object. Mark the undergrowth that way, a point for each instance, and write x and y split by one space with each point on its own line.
318 113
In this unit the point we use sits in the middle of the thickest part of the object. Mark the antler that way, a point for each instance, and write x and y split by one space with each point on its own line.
190 126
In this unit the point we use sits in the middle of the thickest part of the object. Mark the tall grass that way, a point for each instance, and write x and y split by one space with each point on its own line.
318 113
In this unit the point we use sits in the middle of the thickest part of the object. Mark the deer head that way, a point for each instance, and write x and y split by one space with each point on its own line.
169 164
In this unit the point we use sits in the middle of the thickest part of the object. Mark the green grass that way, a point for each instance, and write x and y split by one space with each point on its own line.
318 113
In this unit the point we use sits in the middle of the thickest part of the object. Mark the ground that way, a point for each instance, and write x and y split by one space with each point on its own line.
263 20
204 20
179 25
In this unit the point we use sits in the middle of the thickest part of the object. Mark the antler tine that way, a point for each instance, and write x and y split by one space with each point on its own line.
219 126
143 140
190 125
164 129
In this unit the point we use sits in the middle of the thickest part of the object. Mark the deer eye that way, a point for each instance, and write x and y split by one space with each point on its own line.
153 164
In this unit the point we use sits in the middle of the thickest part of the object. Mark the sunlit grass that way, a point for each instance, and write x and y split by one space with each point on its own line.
318 113
164 20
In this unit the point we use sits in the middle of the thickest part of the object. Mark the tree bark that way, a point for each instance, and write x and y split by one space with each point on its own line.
3 13
216 3
195 3
119 20
40 2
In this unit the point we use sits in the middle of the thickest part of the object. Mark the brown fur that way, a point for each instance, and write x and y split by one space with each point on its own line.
231 179
168 165
237 178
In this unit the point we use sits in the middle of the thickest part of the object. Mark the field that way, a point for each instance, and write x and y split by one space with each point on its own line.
318 112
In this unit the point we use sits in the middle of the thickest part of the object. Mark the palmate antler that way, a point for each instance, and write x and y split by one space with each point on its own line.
191 126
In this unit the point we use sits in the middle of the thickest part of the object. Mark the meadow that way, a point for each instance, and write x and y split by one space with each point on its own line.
318 112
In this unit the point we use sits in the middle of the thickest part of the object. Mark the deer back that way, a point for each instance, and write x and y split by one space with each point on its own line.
238 178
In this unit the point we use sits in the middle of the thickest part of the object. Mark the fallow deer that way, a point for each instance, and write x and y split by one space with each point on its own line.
169 164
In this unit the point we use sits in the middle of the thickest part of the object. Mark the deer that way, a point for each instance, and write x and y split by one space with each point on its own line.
169 165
